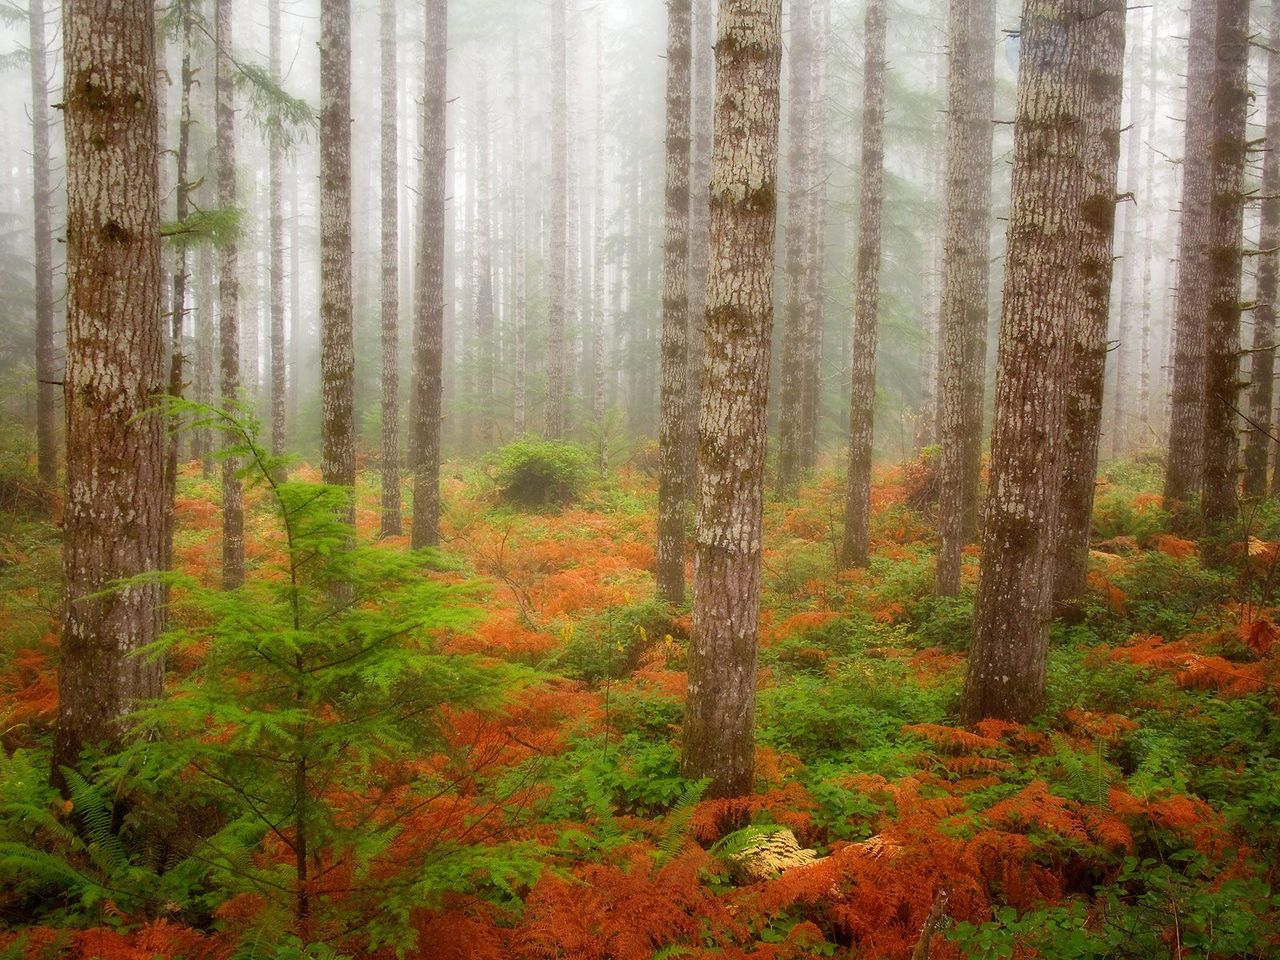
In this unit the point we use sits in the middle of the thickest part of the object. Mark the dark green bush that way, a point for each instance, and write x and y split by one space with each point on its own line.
533 473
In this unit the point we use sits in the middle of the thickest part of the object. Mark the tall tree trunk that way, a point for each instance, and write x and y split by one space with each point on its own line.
275 228
47 374
429 278
855 550
675 307
114 521
519 227
1226 239
719 727
930 395
598 318
228 294
390 305
966 279
1261 395
178 307
337 350
484 311
1048 210
792 363
1145 431
816 240
1088 337
703 119
205 347
556 412
1122 394
1184 472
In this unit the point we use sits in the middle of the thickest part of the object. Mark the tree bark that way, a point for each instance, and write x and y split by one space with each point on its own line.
47 373
855 551
228 294
1259 445
675 306
275 229
337 351
1184 473
702 111
429 278
1088 338
519 226
390 299
1048 209
484 310
791 368
966 279
816 239
114 520
1219 501
598 315
556 413
719 732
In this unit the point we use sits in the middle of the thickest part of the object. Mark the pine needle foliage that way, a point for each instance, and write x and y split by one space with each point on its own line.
314 722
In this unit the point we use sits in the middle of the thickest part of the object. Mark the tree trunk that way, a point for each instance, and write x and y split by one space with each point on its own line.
390 304
485 358
857 510
337 352
519 227
675 307
702 111
1225 255
795 270
1261 395
556 413
1146 433
275 229
719 728
114 521
429 277
966 279
816 240
228 294
1185 470
47 373
1048 210
598 317
1088 337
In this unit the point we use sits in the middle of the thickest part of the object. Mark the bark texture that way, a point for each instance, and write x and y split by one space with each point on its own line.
719 724
855 550
966 279
47 373
1258 445
1225 256
114 520
337 350
429 280
228 293
1185 470
1041 307
1088 338
675 306
702 114
557 362
390 299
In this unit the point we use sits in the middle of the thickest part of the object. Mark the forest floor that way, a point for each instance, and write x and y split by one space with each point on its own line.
1140 817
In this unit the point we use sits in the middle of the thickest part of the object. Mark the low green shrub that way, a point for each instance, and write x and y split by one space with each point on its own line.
533 474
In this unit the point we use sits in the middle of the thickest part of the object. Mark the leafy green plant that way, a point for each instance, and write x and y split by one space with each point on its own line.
533 473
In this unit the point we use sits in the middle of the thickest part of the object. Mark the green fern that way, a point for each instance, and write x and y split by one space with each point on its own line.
678 821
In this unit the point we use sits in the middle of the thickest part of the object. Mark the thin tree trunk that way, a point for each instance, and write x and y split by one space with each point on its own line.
598 318
795 270
428 294
1261 397
337 356
703 113
675 307
1048 210
390 304
484 311
966 279
114 520
47 374
1149 198
1088 337
1185 469
1230 148
856 548
816 239
275 229
719 727
228 295
520 228
556 412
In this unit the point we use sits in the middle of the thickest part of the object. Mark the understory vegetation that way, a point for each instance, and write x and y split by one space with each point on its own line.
474 753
